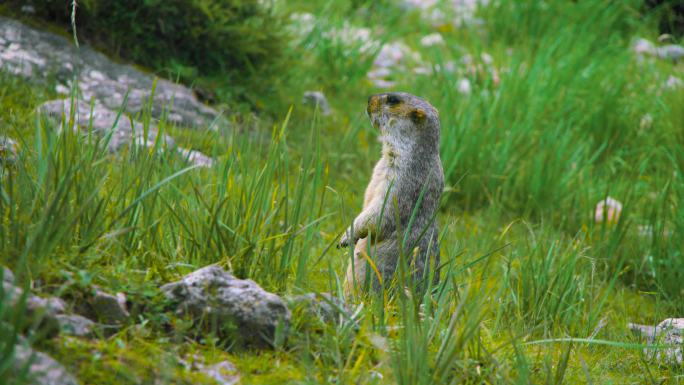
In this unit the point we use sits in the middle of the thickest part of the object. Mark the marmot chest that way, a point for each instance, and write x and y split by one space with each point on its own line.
384 174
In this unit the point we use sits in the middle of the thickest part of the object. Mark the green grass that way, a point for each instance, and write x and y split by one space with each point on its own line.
534 291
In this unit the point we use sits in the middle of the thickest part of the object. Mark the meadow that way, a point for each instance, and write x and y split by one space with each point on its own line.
559 113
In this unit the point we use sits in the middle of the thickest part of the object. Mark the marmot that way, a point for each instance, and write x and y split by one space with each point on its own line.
408 177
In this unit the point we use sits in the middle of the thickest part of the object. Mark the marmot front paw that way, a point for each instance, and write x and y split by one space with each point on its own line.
344 241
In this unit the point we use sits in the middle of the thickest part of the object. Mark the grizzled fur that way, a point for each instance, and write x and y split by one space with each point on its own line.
409 165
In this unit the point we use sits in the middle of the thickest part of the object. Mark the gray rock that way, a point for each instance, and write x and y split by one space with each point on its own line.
37 307
109 309
40 368
317 98
643 46
670 52
673 83
40 55
44 312
11 293
195 157
76 325
669 333
117 128
7 276
224 373
50 305
30 9
213 294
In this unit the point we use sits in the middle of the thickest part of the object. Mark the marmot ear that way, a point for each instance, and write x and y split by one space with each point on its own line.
418 115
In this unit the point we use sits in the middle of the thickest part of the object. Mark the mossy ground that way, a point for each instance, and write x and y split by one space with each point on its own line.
536 291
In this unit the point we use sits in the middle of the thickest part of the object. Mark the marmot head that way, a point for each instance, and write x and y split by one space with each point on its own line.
407 122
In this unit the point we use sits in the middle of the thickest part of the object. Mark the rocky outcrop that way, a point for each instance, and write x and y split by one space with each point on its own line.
216 296
668 337
115 129
40 55
118 93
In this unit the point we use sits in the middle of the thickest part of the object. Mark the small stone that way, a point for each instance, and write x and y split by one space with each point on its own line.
29 9
317 98
673 82
646 122
11 293
432 40
643 47
195 157
45 311
42 369
213 294
464 87
62 89
672 52
224 373
76 325
50 305
7 276
487 58
109 308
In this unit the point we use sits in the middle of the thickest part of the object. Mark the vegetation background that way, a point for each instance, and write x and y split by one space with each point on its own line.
559 114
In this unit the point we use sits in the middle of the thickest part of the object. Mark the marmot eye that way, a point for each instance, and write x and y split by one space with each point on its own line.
393 99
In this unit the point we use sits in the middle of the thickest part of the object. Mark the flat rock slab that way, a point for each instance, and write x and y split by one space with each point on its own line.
668 335
216 296
40 55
